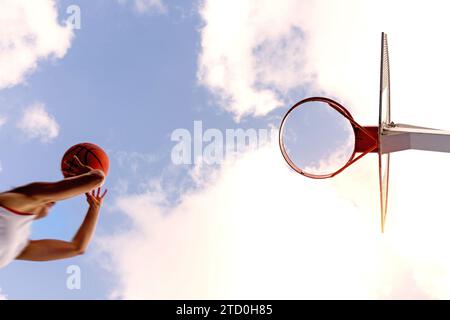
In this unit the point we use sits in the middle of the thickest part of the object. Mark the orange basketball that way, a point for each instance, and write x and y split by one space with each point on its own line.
89 154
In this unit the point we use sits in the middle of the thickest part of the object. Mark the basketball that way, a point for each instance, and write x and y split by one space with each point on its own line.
89 154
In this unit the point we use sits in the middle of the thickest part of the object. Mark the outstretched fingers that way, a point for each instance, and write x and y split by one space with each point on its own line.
96 193
76 161
68 170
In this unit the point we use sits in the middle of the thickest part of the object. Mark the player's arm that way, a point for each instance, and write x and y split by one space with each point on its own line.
46 250
82 179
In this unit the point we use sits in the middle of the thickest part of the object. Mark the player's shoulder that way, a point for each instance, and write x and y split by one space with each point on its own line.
16 200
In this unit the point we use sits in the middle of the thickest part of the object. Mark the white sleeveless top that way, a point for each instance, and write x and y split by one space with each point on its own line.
15 229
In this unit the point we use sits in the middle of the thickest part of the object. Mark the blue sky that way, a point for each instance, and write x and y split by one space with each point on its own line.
314 134
127 81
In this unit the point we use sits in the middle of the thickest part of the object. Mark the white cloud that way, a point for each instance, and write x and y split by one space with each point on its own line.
134 160
147 6
3 120
209 245
249 232
2 295
253 52
143 6
227 64
37 123
29 32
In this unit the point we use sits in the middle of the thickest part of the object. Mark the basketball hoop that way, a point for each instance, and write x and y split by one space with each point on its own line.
365 138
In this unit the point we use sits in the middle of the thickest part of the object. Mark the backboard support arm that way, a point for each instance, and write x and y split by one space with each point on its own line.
401 137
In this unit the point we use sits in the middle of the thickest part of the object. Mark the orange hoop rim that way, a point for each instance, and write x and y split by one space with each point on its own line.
346 114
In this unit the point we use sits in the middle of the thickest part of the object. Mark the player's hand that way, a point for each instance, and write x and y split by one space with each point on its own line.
75 167
95 197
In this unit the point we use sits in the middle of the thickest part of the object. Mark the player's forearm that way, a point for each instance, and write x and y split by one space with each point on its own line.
39 192
49 249
72 186
85 232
